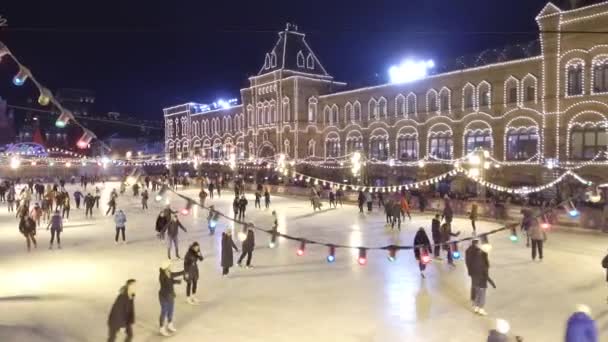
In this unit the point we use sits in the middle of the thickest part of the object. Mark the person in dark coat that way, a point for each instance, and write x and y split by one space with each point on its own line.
478 267
361 200
193 256
448 213
421 242
172 228
27 227
166 297
258 196
89 202
211 188
56 226
161 222
436 234
247 248
242 207
235 207
266 198
122 314
227 256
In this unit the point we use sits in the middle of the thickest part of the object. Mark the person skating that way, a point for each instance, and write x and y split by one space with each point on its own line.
421 243
436 234
122 314
227 256
10 199
147 182
235 207
473 217
120 219
212 219
242 207
448 213
471 252
211 187
36 214
537 237
166 297
161 222
123 187
89 203
202 196
526 222
172 228
65 213
422 202
361 200
580 327
193 256
478 267
56 225
258 196
98 196
380 199
332 198
135 190
77 196
369 199
247 248
446 235
339 196
144 199
405 208
27 227
267 198
112 202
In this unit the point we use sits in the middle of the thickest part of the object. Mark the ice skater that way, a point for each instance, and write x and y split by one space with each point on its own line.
122 314
478 267
77 197
166 297
235 207
193 256
267 198
421 245
172 229
242 207
65 213
36 214
361 201
473 217
537 237
89 203
27 227
212 219
227 256
332 198
120 219
247 248
258 196
436 234
144 199
202 196
56 226
112 202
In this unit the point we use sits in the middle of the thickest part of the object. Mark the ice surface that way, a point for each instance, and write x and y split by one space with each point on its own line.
65 295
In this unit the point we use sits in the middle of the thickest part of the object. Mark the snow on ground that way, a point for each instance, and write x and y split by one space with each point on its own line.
65 295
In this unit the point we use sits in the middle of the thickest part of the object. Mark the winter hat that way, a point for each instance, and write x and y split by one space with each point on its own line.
584 309
502 326
165 264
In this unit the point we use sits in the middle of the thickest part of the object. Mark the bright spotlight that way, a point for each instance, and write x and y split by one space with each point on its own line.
409 70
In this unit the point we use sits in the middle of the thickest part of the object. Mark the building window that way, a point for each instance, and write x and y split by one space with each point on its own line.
349 114
286 110
512 95
441 145
354 144
379 148
522 143
411 104
468 96
574 76
357 111
332 148
407 147
300 59
586 141
445 101
432 101
478 139
600 76
312 110
484 98
530 93
310 62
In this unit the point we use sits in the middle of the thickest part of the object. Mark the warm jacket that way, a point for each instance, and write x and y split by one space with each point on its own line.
581 328
243 203
446 232
478 266
435 230
166 283
535 231
172 228
161 222
448 214
473 214
227 246
404 205
56 222
190 263
122 313
421 239
249 242
27 225
89 201
120 219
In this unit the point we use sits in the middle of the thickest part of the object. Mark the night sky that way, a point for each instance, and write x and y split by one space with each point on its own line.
141 56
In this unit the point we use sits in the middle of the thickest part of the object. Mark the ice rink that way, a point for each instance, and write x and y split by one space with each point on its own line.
65 295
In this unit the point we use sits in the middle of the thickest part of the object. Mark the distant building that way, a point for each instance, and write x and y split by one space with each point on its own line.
79 101
37 130
7 124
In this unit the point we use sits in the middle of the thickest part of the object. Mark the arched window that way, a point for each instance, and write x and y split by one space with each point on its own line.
445 100
260 120
529 86
286 148
382 107
169 125
286 110
217 151
431 101
440 141
372 110
310 62
184 126
300 59
349 114
273 59
411 104
511 95
478 139
484 94
332 145
267 61
311 148
335 115
468 97
250 116
574 77
272 113
357 111
600 75
327 115
407 147
312 109
378 145
522 143
587 140
400 106
176 127
354 142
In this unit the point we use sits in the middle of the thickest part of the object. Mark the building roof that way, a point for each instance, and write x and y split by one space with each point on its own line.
292 52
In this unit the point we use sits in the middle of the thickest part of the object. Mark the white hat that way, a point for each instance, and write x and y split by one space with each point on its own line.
502 326
165 264
584 309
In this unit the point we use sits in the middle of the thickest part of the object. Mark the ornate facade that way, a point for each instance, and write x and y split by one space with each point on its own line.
551 106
